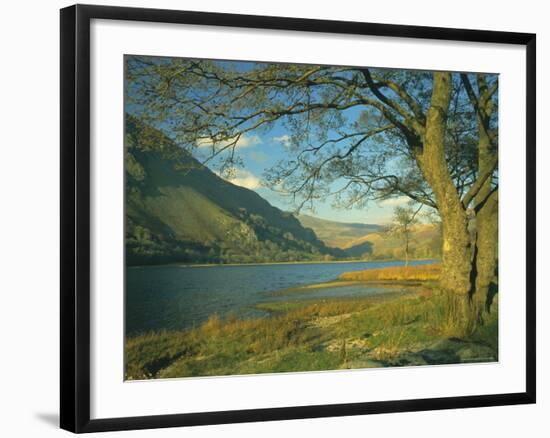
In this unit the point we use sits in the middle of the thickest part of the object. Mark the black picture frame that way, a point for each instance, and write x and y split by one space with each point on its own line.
75 217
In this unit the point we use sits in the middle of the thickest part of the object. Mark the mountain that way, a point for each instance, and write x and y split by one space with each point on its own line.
337 234
177 210
425 242
370 241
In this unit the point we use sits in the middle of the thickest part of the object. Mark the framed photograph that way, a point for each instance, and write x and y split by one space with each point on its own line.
268 218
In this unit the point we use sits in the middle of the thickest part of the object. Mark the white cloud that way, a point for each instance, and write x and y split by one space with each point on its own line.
283 139
394 202
243 142
245 179
246 141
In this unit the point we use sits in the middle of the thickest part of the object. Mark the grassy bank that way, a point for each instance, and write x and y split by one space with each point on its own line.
385 330
390 277
397 273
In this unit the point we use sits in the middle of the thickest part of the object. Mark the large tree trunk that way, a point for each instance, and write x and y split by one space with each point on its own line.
456 272
457 253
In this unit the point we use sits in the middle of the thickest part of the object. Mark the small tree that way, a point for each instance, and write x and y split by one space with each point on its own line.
404 218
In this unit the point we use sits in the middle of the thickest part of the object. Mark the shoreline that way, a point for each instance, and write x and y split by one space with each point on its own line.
337 283
305 262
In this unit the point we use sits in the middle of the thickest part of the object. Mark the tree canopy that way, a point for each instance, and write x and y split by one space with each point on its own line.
358 127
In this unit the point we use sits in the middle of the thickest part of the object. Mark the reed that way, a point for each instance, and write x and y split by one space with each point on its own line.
397 273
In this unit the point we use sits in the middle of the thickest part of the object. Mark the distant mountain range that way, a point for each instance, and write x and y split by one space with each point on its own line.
372 241
177 210
425 242
337 234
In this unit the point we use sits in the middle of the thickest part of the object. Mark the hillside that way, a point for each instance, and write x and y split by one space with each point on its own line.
178 210
425 243
337 234
370 241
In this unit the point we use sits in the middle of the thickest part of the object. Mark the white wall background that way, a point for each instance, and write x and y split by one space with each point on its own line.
29 248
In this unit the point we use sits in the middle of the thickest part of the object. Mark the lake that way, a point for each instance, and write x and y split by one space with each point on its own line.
179 297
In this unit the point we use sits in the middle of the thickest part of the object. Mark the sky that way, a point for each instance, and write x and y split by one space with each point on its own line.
259 152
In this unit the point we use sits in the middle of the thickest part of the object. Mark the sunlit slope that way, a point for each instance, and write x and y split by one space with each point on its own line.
178 210
337 234
425 242
371 241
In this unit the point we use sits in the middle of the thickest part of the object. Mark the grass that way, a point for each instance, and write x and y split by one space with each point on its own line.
384 330
398 273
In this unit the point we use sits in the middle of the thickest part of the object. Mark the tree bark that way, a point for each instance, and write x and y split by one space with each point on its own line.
486 255
486 208
457 249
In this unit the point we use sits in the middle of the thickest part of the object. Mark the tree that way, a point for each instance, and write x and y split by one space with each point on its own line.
372 133
404 218
485 201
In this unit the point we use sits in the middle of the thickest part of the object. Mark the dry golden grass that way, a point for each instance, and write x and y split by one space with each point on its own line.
398 273
311 336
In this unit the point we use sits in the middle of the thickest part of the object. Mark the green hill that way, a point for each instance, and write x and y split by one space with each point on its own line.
177 210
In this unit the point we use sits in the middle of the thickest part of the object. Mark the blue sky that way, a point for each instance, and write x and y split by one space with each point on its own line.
260 152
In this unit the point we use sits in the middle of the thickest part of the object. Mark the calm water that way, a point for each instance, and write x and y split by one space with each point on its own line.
177 297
